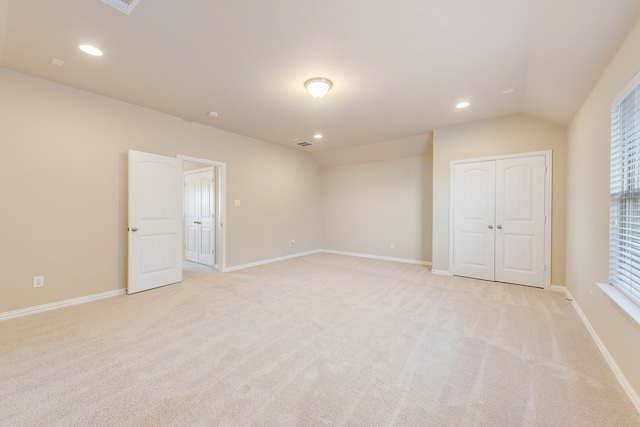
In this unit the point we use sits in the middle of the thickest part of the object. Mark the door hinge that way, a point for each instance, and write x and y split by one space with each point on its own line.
545 169
544 267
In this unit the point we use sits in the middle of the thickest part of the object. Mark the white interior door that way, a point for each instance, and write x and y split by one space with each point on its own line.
199 217
155 221
206 249
520 221
474 213
191 218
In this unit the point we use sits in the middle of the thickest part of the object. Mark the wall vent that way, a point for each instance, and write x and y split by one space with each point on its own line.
124 6
303 143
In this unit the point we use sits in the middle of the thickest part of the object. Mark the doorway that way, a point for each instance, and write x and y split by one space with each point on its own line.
156 208
204 213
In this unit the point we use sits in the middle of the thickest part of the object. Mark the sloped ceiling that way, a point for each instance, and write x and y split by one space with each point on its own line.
398 68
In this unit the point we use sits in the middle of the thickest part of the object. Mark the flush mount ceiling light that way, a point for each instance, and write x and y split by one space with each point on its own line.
90 50
461 105
318 136
318 86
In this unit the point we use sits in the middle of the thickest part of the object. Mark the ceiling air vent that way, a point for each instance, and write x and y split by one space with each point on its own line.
124 6
303 143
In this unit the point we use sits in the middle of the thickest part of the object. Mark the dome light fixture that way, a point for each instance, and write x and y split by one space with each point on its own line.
318 86
464 104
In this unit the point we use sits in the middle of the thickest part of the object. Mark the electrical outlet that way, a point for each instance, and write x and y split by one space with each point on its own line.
393 245
38 281
292 242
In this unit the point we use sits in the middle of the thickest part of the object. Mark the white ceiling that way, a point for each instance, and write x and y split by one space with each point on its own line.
398 67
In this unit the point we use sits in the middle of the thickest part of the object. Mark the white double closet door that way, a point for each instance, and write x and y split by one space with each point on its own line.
199 217
499 220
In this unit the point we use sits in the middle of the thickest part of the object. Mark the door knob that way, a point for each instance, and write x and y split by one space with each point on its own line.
134 229
499 227
490 227
197 222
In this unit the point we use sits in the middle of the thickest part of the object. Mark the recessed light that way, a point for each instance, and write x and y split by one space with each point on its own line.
212 114
58 62
462 105
508 91
91 50
317 136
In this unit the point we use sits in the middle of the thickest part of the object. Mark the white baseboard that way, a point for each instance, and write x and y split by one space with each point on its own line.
59 304
268 261
441 272
383 258
559 288
633 396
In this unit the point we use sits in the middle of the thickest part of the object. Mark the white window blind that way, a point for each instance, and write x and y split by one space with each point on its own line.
624 232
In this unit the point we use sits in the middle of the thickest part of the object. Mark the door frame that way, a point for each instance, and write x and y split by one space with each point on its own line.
221 191
548 162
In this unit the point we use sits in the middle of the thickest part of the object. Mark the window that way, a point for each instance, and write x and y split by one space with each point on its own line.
624 232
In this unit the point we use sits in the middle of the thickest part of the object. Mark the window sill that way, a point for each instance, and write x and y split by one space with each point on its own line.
624 302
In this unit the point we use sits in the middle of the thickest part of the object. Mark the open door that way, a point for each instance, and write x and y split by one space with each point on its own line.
155 221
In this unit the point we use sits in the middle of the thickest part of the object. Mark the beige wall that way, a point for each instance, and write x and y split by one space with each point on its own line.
588 207
505 135
368 206
64 195
414 146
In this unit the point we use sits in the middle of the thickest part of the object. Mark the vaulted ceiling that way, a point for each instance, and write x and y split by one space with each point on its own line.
398 67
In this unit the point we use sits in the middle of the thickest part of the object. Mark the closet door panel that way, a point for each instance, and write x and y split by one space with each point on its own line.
474 213
520 221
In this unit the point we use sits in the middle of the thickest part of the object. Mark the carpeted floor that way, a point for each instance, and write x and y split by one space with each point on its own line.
318 340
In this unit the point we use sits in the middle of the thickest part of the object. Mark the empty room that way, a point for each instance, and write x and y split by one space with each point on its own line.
411 213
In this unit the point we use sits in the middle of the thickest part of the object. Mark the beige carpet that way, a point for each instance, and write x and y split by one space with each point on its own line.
319 340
